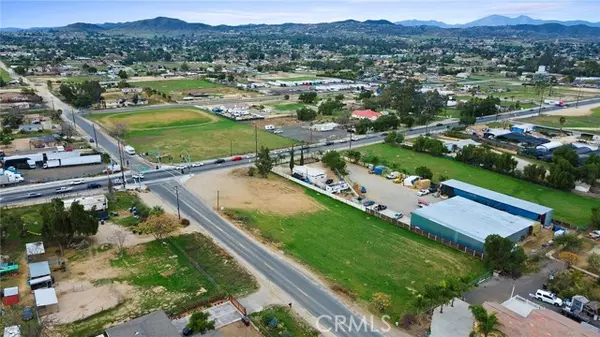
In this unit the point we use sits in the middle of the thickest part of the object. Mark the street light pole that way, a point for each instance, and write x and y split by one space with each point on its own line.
95 136
177 194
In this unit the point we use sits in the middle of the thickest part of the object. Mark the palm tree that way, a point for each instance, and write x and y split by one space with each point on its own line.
487 323
562 121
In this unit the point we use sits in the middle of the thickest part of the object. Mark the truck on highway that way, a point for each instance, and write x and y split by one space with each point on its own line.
129 150
73 161
10 178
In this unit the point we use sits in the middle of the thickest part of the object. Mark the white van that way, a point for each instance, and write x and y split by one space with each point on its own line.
269 127
548 297
129 150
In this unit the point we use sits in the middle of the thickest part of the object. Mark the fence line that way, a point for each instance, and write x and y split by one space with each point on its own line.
393 221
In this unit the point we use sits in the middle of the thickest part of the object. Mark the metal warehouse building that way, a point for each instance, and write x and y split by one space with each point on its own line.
503 202
468 223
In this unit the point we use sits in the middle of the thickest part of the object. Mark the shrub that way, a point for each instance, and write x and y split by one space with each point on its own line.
185 222
569 258
594 263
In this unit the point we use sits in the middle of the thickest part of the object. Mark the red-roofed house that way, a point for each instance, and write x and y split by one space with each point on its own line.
368 114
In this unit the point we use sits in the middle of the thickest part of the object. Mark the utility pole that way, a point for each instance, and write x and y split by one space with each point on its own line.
121 161
177 194
541 101
95 136
350 140
73 116
231 147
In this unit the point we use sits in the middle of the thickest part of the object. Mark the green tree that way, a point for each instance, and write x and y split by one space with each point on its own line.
502 254
391 138
56 226
286 97
486 323
424 172
363 126
122 74
10 219
135 99
20 70
13 118
184 66
308 97
49 85
82 94
334 161
292 160
534 173
302 155
329 106
306 114
562 174
264 162
567 153
354 156
82 222
200 323
594 263
569 242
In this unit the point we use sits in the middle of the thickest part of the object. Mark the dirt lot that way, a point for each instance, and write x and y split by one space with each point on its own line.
398 198
238 190
580 111
237 329
42 175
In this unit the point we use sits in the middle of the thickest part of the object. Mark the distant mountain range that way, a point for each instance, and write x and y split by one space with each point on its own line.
495 25
496 20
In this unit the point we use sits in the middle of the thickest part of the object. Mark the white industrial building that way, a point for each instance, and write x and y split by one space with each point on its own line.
459 144
324 127
548 147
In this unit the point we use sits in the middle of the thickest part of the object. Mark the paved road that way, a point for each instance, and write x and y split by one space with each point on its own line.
308 293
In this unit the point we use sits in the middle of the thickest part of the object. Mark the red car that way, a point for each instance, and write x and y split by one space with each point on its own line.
236 158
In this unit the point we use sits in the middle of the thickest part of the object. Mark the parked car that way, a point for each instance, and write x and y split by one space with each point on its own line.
187 332
548 297
380 207
368 203
34 195
219 161
77 182
398 215
63 189
595 234
93 185
422 192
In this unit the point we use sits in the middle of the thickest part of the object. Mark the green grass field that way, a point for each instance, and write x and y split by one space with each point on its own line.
360 254
568 207
177 131
287 321
591 121
168 86
4 75
13 244
289 106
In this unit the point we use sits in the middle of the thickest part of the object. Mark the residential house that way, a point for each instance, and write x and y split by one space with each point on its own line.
155 324
366 114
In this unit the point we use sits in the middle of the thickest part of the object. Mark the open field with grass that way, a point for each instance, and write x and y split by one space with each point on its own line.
4 75
158 275
286 321
177 131
289 106
168 86
358 254
568 207
591 121
13 244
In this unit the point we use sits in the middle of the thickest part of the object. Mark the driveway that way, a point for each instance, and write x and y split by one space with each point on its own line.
304 134
499 289
398 198
455 321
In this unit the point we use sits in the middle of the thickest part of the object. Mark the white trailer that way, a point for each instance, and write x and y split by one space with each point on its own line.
74 161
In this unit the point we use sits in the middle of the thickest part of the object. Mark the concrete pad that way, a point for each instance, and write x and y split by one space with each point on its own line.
223 314
456 321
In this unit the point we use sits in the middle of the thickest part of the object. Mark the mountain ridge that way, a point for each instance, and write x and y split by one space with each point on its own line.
496 20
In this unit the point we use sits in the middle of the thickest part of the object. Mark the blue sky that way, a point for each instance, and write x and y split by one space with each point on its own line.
52 13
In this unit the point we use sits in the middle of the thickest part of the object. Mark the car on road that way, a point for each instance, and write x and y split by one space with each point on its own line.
398 215
595 234
548 297
197 164
219 161
384 134
236 158
137 176
439 124
251 155
34 195
187 331
77 182
422 192
329 143
91 140
63 189
368 203
93 185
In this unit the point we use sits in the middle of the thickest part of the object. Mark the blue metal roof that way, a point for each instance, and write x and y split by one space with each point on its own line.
473 219
499 197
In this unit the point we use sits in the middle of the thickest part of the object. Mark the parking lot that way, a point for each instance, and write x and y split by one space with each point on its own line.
54 174
398 198
303 133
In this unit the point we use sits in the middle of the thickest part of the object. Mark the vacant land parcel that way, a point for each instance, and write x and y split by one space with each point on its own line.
183 87
358 254
588 120
179 131
567 206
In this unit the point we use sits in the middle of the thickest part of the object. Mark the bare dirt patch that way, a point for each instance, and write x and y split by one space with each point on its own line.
277 121
238 329
579 111
238 190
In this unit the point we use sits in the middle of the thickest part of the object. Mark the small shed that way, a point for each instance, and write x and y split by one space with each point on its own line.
12 331
46 299
39 275
11 296
34 250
